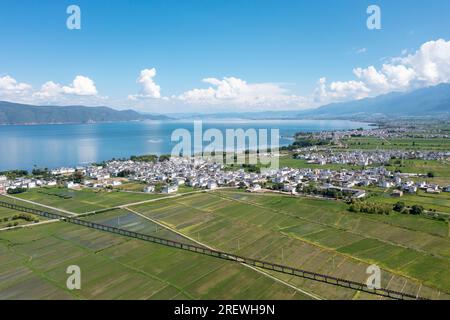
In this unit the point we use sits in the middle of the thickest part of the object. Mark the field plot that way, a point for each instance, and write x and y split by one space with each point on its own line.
372 143
10 218
33 265
123 219
313 235
80 201
439 202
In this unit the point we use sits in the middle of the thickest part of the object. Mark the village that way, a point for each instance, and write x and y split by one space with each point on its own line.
169 175
323 156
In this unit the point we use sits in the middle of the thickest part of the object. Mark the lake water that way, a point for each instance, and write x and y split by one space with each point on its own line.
53 146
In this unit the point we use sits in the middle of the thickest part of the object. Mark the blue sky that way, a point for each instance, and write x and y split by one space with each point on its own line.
283 47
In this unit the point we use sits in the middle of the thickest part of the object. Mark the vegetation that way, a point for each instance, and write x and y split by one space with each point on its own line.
370 207
264 223
13 174
145 158
16 190
120 268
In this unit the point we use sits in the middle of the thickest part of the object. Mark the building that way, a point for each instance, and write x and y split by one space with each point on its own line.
255 188
433 189
2 190
211 185
149 188
170 189
397 193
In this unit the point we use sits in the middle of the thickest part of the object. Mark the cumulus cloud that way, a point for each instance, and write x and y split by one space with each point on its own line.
11 89
81 86
52 91
9 84
82 90
428 66
240 93
149 89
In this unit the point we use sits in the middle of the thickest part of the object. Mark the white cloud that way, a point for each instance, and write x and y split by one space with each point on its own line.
49 89
149 89
239 93
10 84
81 86
431 62
361 50
428 66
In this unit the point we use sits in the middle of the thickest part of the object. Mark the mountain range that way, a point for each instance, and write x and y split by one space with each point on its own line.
15 113
430 102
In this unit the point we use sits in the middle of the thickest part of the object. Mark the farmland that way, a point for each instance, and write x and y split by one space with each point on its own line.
80 201
311 234
372 143
10 217
439 202
314 235
33 265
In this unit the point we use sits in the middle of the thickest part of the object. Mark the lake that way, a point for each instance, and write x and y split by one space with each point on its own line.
51 146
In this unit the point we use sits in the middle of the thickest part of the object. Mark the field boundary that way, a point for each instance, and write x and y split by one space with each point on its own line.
223 255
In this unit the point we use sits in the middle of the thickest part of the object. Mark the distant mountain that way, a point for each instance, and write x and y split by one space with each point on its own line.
427 102
15 113
253 115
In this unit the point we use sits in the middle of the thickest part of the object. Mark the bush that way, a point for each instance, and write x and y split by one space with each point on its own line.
16 190
416 210
399 206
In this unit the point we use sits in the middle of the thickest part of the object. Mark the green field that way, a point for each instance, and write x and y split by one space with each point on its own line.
86 200
33 264
311 234
7 215
439 202
314 235
372 143
439 169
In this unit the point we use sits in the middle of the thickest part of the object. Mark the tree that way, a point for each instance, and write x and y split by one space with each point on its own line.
164 157
416 210
16 190
78 176
399 206
430 174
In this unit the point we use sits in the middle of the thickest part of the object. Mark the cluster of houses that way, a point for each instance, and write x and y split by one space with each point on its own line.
201 173
382 133
316 155
24 183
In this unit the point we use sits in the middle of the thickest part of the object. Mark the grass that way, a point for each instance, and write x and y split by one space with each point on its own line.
6 218
372 143
440 169
33 265
439 202
80 201
311 234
